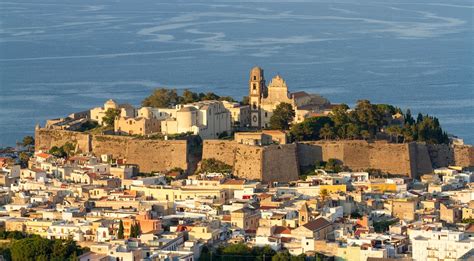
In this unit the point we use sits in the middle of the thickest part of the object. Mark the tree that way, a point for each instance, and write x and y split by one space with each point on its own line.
326 132
189 97
282 116
365 134
394 131
210 96
24 157
57 152
120 234
28 141
334 165
37 248
286 256
309 129
214 166
110 115
353 131
68 148
161 98
339 115
226 98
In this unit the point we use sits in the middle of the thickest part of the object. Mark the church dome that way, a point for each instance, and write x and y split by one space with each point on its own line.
110 104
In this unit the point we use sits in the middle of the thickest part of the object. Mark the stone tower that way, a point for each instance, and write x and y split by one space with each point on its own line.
303 215
257 90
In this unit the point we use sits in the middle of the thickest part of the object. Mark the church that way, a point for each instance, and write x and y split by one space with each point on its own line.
264 99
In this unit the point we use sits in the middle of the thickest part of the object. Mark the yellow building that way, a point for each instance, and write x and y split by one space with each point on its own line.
136 125
382 187
205 232
240 115
403 208
245 218
331 189
38 227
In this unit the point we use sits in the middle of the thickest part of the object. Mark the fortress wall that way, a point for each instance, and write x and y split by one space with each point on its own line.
392 158
405 159
280 163
358 154
309 154
441 155
423 163
248 162
464 156
45 139
222 150
150 155
245 159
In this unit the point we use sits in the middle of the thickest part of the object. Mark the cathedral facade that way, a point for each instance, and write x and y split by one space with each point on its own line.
264 99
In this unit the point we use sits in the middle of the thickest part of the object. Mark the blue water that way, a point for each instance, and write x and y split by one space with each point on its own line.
60 56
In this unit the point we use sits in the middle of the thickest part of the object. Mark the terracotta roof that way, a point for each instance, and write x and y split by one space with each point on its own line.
43 155
282 230
234 182
317 224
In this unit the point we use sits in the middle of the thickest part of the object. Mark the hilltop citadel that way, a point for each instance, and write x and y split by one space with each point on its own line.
254 154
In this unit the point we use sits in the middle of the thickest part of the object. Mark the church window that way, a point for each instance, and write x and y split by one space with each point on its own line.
254 77
254 86
254 105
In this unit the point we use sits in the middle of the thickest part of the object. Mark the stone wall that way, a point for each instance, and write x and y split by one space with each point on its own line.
405 159
268 164
246 160
280 163
150 155
46 138
464 156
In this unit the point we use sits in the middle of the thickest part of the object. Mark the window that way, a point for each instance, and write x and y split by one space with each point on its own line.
254 77
266 114
254 86
254 105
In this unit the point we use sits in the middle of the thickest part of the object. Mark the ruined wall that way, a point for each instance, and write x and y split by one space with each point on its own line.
280 163
46 138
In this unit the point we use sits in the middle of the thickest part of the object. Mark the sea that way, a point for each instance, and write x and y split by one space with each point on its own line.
64 56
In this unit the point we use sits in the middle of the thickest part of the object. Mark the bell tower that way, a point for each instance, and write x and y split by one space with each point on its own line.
257 91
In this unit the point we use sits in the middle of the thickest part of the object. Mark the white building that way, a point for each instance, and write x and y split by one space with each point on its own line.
439 245
208 119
